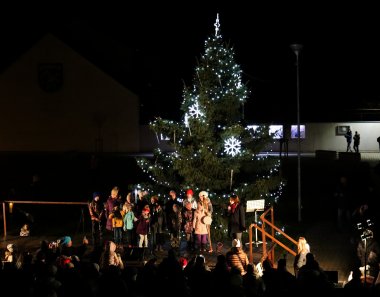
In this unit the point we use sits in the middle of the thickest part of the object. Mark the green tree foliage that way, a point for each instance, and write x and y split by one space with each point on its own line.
212 148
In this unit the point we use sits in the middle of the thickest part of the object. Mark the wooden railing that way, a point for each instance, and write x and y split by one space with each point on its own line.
271 235
11 203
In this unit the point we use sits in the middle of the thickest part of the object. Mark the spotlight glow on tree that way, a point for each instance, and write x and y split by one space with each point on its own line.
212 148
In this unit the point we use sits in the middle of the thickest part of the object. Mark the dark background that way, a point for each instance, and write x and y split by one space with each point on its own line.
153 48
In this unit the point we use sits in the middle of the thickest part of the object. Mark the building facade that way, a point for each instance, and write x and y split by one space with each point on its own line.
54 100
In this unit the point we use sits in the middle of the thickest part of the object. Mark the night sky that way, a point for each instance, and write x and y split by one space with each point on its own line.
153 51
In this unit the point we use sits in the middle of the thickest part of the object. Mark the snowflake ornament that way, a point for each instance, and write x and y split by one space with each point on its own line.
194 110
232 146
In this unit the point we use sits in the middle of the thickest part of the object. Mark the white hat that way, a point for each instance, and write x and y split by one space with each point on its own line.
10 247
203 193
236 243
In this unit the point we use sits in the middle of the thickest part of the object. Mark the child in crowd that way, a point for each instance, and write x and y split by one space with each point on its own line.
117 224
188 215
200 227
129 220
176 222
156 224
142 228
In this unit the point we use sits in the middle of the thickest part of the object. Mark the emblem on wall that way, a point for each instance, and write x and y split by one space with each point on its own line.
50 76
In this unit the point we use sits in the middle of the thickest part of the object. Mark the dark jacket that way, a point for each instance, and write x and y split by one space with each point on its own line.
143 225
96 209
236 220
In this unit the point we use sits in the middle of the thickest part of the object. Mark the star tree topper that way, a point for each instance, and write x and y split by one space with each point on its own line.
217 25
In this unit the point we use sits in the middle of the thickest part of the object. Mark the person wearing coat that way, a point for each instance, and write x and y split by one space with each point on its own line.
142 228
187 222
208 208
200 227
129 225
112 200
303 248
96 210
236 217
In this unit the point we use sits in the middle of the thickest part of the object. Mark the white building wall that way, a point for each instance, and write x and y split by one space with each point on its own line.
319 136
322 136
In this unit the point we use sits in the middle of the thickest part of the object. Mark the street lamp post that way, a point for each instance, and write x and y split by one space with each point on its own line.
297 49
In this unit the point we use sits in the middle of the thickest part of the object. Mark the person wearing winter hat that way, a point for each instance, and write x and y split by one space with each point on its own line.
187 217
66 247
8 257
142 228
183 262
66 241
96 210
10 247
208 209
236 243
207 205
201 231
237 258
190 198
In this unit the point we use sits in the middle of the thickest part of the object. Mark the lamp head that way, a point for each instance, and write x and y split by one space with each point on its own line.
296 47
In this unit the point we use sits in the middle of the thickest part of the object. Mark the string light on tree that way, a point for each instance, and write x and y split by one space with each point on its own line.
213 155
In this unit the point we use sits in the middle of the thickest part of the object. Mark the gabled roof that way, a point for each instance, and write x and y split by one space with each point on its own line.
115 60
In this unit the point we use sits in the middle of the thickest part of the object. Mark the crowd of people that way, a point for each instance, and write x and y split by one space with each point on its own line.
144 222
100 267
63 269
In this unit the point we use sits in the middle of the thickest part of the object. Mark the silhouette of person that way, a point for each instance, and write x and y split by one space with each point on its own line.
284 141
284 146
348 136
356 141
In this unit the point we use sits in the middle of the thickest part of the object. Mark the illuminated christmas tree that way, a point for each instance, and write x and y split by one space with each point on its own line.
212 148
